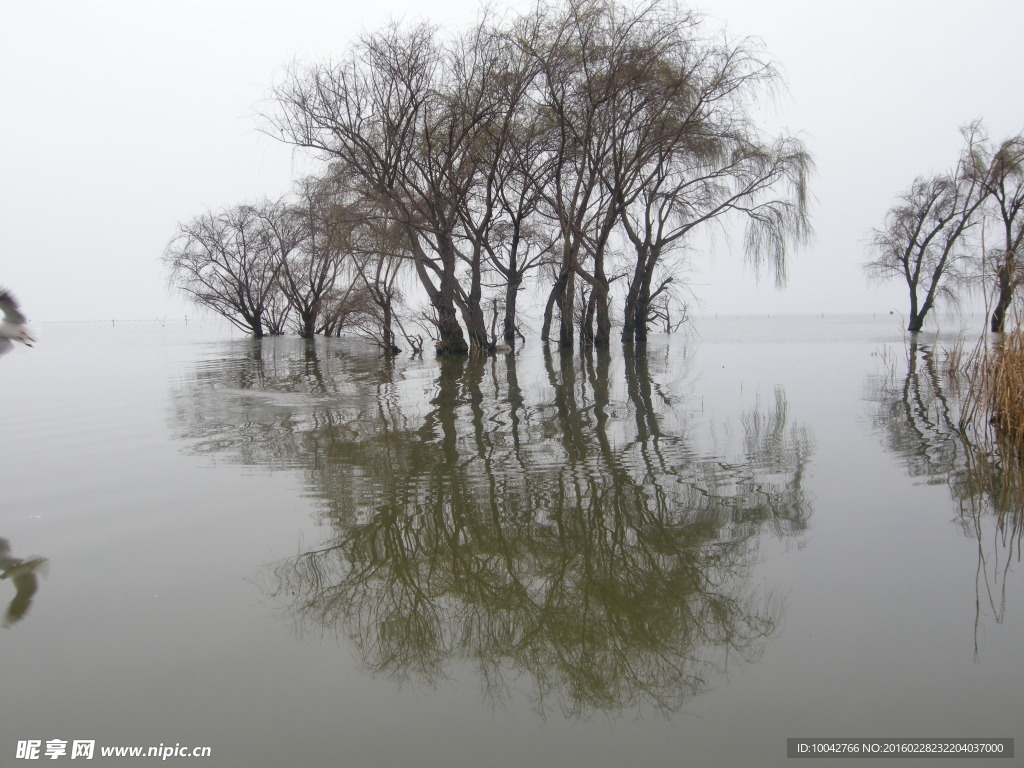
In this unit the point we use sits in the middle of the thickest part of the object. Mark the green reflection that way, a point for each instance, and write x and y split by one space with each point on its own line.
549 519
920 417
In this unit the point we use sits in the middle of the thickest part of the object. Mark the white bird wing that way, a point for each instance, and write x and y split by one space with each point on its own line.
10 309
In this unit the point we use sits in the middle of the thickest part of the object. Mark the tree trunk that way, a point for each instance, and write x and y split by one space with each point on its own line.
509 324
587 321
255 324
916 318
308 318
643 306
599 300
473 316
629 318
451 340
387 330
638 297
1004 279
549 308
999 313
566 307
473 313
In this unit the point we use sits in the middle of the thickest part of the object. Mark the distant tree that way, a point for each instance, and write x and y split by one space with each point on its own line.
1002 171
229 262
274 265
922 240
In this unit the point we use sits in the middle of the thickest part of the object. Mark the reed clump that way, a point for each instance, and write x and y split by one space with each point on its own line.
998 385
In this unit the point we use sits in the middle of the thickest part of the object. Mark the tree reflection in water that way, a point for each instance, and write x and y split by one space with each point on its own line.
543 518
919 416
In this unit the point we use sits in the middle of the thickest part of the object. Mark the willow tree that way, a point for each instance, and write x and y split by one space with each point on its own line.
1002 169
649 131
922 239
578 47
702 159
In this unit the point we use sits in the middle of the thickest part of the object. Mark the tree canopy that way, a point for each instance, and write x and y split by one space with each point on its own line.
572 147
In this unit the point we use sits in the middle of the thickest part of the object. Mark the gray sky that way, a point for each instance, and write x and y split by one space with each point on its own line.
122 118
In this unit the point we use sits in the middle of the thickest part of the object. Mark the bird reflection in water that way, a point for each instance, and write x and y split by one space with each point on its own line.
24 574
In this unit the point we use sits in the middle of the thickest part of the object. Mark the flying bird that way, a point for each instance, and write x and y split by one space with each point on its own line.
14 326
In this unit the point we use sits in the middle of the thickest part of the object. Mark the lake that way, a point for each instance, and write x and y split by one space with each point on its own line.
301 554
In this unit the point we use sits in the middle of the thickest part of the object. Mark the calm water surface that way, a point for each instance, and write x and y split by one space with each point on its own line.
301 555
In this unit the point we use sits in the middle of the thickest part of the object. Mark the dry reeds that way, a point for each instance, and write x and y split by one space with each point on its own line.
1002 382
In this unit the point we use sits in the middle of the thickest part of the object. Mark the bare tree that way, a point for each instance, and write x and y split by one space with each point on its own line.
577 48
500 220
312 275
651 133
703 160
380 255
921 241
551 138
229 262
402 113
1002 169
